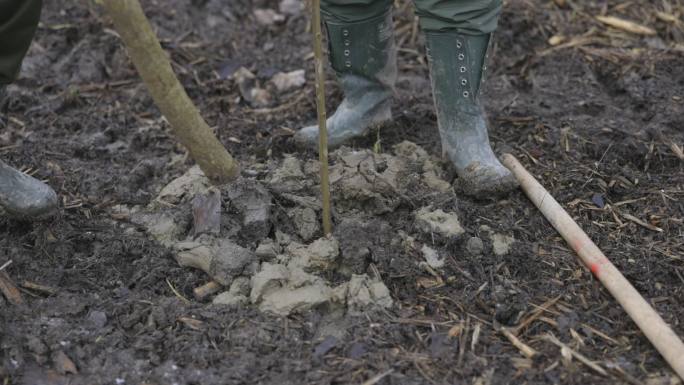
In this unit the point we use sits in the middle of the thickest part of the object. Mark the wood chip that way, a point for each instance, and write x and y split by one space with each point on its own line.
38 287
476 337
209 288
9 290
192 323
64 364
626 25
677 150
375 379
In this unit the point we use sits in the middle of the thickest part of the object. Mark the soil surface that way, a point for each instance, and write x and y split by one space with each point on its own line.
595 113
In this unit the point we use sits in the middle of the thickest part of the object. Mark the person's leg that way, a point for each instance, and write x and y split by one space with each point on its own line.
21 195
363 54
18 22
457 34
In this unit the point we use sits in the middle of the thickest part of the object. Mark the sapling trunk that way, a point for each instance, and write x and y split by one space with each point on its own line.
187 125
320 108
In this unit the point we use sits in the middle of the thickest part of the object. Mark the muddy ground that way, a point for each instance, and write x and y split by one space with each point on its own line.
598 117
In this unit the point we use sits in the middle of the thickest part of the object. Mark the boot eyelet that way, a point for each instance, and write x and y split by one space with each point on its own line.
347 64
463 69
345 32
347 43
346 52
465 94
458 44
464 82
461 56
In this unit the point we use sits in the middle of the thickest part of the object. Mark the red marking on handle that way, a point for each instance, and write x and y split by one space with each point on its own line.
595 268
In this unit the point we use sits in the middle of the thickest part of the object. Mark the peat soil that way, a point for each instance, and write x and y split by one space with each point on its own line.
598 117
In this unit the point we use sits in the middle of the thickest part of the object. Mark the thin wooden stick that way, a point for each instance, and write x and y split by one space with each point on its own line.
651 324
320 108
38 287
526 350
581 358
209 288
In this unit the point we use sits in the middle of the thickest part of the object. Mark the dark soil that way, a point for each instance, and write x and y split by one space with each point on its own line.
595 122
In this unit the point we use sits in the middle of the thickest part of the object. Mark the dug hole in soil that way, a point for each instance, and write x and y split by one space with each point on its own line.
416 280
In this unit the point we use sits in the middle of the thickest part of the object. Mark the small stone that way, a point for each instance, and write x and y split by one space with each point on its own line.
289 177
475 246
501 244
252 201
291 7
186 186
167 227
411 151
230 299
305 221
267 250
36 345
364 294
241 286
319 256
221 259
432 257
287 81
268 17
97 319
270 278
206 212
286 301
445 224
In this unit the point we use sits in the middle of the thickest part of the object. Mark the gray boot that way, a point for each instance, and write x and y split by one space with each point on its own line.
457 64
25 197
364 56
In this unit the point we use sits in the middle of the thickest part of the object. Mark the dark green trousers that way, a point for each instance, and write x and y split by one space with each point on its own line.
471 17
18 23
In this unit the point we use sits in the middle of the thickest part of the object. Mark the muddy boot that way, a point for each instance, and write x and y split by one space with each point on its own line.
23 196
364 56
457 65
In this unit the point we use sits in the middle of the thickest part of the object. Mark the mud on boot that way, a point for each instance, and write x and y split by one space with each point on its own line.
25 197
457 65
363 55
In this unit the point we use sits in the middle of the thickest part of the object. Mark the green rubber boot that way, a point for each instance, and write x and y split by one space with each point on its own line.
23 196
457 66
364 57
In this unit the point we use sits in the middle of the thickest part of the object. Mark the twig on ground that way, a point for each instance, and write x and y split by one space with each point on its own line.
209 288
581 358
524 349
4 265
38 287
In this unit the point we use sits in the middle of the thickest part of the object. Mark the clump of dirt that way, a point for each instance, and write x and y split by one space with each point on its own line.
230 233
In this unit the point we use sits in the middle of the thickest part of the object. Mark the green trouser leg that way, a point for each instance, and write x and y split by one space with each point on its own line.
18 22
470 17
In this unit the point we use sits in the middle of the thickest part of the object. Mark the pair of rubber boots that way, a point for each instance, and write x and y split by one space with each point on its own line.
22 196
364 56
